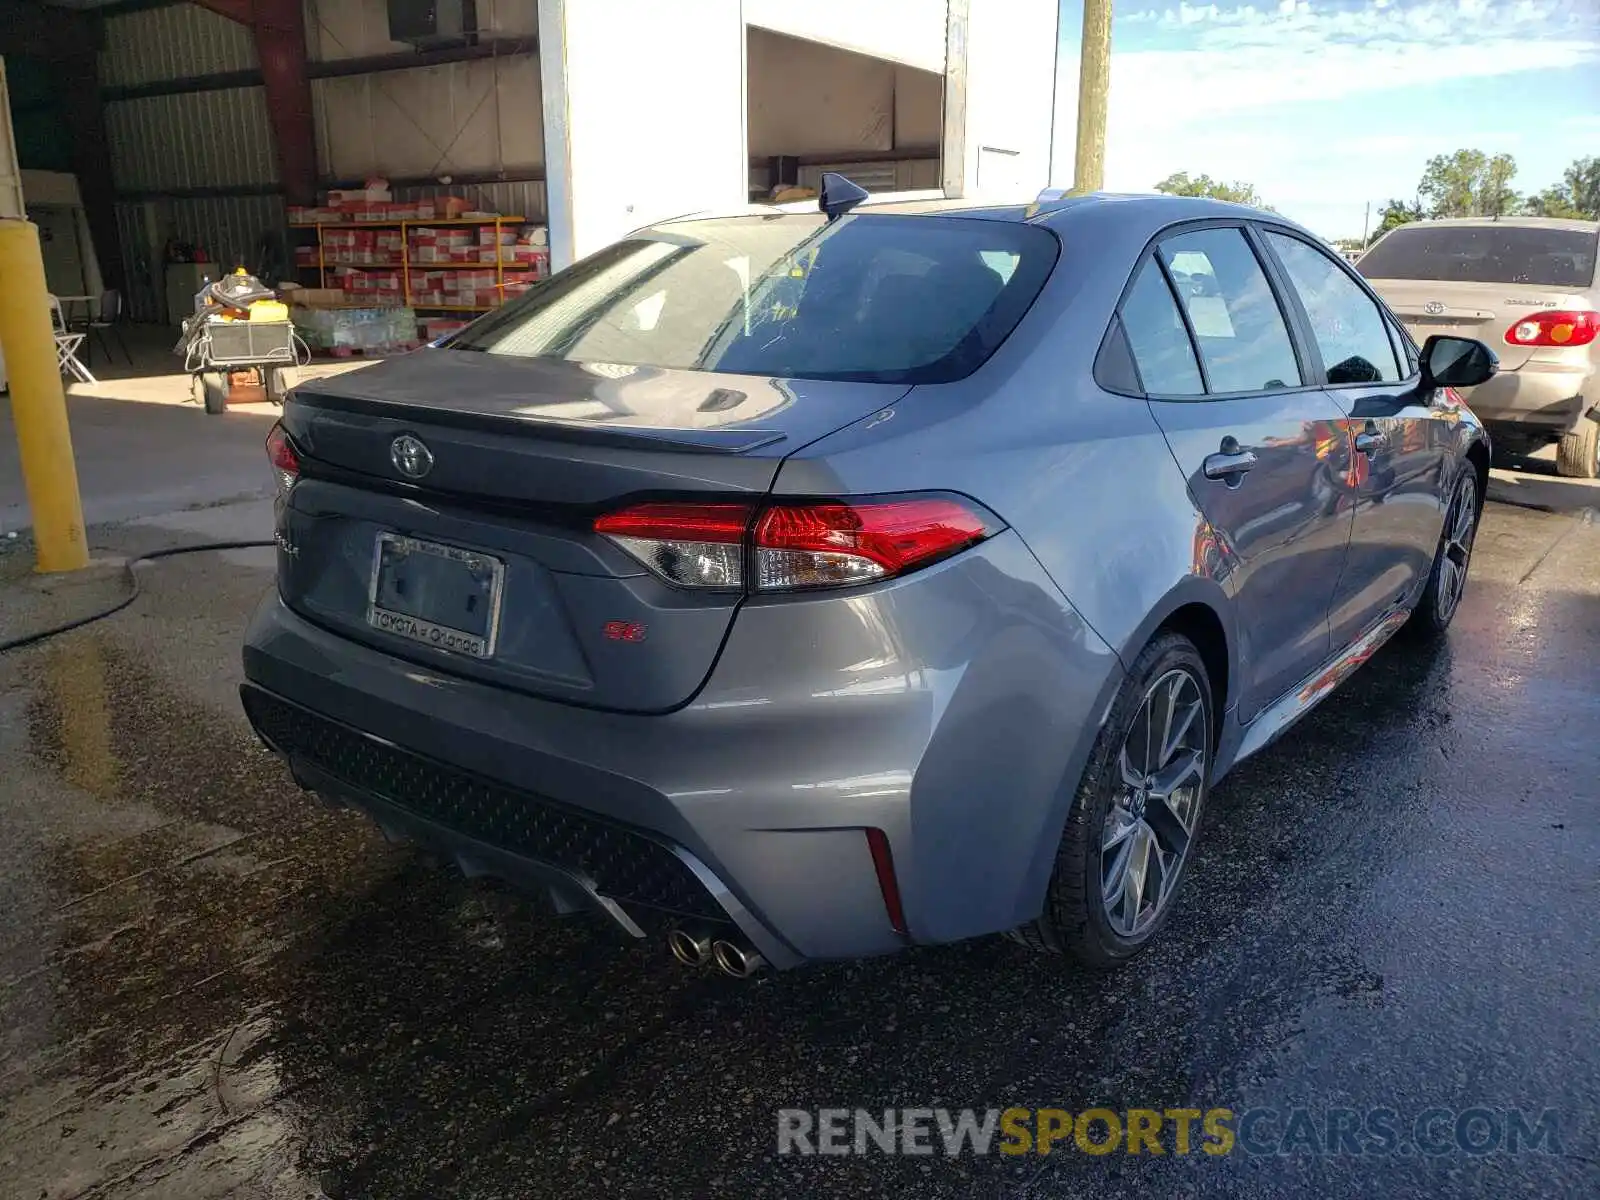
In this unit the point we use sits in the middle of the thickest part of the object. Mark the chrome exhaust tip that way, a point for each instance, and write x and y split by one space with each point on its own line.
733 959
691 949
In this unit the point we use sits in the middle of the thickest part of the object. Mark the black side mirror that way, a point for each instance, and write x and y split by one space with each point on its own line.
1456 362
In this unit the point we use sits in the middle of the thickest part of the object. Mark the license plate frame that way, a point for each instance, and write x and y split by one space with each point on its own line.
445 638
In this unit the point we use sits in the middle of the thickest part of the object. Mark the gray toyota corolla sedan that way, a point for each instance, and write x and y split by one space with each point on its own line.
835 581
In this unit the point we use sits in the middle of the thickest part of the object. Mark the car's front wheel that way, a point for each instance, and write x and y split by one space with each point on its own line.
1133 823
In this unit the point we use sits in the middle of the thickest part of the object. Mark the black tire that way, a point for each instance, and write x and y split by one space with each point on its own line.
1074 920
1578 453
214 387
276 381
1442 595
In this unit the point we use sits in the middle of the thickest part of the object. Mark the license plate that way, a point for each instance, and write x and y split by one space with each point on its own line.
441 596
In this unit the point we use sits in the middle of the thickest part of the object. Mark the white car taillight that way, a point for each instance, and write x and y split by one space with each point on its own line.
795 546
284 458
691 545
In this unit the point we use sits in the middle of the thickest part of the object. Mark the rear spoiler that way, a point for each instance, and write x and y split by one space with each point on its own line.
631 437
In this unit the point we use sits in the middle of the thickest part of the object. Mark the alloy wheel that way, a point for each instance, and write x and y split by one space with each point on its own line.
1152 818
1460 527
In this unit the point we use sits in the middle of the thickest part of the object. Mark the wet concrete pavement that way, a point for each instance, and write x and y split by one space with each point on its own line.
211 987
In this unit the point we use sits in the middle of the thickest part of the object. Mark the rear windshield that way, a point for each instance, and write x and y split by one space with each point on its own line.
877 297
1563 258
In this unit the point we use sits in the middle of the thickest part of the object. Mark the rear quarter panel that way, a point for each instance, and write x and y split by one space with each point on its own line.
1084 476
1087 481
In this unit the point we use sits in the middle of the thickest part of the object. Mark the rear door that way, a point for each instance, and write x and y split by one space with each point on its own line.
1256 438
1399 440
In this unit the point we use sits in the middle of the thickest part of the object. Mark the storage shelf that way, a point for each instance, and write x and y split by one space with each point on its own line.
407 266
466 266
407 221
513 263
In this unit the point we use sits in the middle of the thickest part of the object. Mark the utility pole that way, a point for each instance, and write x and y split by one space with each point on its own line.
1094 88
1366 224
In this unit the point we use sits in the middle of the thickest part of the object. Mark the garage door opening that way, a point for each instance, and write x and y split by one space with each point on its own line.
814 108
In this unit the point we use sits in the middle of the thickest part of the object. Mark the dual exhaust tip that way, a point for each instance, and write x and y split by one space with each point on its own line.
696 949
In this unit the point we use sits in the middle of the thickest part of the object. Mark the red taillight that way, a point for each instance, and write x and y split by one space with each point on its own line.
283 457
883 864
826 545
683 522
794 546
691 545
1555 329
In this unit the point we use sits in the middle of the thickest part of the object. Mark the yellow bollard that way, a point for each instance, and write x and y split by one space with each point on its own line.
38 401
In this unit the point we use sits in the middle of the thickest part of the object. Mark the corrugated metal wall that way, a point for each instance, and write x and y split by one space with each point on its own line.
172 42
162 144
141 260
462 118
194 140
466 118
228 228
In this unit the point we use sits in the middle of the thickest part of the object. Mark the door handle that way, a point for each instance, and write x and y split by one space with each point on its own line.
1228 465
1369 441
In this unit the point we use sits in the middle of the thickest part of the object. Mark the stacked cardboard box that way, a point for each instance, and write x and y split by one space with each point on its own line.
517 282
374 204
365 246
453 244
434 328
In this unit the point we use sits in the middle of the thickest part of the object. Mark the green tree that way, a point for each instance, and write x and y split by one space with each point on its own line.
1468 183
1583 185
1552 202
1182 184
1577 195
1396 213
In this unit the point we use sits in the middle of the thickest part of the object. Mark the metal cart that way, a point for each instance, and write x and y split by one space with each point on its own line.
216 348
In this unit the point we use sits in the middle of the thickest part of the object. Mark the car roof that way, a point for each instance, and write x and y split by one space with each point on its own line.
1574 223
1132 209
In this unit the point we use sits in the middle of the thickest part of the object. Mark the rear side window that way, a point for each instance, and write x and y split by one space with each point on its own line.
1238 326
1160 344
1542 257
1351 333
876 297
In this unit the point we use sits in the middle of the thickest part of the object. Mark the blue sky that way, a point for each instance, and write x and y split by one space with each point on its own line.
1325 105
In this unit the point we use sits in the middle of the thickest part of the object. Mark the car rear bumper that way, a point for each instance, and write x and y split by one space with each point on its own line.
1537 398
953 710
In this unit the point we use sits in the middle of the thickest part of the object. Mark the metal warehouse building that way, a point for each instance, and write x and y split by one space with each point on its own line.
141 125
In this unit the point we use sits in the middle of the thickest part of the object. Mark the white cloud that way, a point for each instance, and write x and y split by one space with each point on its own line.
1244 57
1192 67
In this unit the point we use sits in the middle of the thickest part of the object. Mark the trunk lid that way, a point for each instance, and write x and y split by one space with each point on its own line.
522 454
1476 310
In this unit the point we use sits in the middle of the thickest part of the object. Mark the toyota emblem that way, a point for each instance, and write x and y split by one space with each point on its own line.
1433 308
410 457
